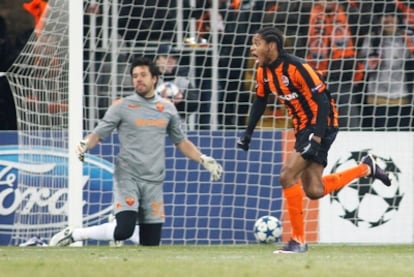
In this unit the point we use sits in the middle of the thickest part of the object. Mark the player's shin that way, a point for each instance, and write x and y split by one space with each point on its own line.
294 202
336 181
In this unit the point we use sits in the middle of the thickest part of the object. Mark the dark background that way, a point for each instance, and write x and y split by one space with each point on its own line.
15 26
17 19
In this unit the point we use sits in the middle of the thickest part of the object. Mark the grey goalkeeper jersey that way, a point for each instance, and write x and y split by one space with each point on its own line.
142 126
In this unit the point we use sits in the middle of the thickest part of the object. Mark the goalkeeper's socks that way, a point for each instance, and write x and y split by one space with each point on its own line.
99 232
294 202
103 232
336 181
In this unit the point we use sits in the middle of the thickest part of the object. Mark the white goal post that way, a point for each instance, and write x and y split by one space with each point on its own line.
75 120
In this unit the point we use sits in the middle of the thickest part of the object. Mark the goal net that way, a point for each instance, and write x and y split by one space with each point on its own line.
39 81
209 41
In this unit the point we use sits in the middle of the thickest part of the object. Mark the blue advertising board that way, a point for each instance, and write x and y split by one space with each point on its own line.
197 210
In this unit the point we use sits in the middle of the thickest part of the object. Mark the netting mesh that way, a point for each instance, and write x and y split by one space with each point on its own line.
39 79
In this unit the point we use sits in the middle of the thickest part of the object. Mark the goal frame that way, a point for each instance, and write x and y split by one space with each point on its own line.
75 114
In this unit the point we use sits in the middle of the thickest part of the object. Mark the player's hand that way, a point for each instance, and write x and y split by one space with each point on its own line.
244 142
311 150
212 166
81 149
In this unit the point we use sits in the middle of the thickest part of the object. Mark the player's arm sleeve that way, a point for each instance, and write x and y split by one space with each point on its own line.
174 128
256 112
109 122
322 101
188 149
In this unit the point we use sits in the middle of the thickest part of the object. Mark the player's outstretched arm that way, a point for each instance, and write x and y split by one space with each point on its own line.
209 163
256 112
89 142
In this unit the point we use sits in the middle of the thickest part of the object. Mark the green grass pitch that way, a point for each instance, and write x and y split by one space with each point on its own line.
203 260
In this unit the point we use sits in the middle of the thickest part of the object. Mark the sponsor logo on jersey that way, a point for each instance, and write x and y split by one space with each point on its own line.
133 106
289 97
155 122
151 119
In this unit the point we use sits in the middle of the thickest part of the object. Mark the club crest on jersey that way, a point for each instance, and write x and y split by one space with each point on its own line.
160 107
130 200
285 80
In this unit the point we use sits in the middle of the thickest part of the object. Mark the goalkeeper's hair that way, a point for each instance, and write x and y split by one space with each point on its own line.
143 61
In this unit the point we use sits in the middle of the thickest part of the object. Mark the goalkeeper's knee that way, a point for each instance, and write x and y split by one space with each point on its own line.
125 225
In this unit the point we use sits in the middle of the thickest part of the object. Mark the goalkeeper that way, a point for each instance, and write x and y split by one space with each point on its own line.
315 121
142 120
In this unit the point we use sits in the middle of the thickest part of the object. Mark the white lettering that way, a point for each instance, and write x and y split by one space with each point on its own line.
289 97
10 178
6 193
31 198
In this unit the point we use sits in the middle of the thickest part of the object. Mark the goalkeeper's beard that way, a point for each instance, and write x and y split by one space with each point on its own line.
146 93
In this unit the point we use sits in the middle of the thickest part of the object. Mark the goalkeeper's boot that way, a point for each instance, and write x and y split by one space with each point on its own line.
376 171
34 241
63 238
292 247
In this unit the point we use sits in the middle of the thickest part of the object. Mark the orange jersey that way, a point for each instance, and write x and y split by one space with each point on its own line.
294 83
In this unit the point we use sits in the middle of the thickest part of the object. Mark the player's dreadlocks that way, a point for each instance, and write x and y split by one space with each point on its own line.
272 34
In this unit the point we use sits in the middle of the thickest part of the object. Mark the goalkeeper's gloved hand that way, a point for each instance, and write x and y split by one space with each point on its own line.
212 166
244 142
311 150
81 148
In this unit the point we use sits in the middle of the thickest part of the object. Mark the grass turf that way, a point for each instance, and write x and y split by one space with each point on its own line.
227 260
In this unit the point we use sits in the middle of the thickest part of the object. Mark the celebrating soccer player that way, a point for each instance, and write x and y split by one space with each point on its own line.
315 120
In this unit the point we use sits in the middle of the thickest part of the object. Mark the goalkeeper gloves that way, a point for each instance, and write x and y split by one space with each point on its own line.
311 150
244 142
81 148
212 166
